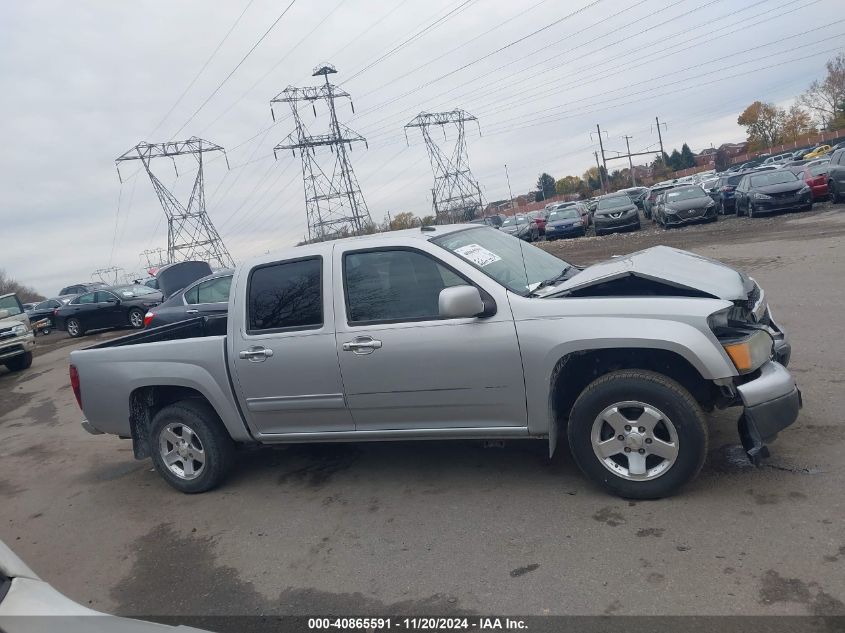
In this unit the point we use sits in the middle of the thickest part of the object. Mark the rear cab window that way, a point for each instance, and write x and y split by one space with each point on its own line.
285 296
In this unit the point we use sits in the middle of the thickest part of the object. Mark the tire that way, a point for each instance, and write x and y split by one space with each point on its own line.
207 437
74 328
751 212
20 362
722 209
736 210
650 399
136 318
834 192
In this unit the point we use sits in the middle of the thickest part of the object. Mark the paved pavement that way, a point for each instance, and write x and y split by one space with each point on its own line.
454 527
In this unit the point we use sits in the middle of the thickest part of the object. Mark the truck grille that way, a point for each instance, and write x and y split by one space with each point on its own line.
6 332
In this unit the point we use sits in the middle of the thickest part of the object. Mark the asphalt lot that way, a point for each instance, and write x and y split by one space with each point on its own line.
439 528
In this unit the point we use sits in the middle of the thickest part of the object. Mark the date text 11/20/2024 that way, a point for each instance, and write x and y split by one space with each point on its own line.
422 623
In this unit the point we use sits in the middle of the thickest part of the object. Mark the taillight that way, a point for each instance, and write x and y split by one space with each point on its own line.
148 318
74 383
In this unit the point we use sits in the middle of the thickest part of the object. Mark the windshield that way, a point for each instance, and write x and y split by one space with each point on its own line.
684 194
614 202
516 265
514 220
773 178
564 214
11 304
134 291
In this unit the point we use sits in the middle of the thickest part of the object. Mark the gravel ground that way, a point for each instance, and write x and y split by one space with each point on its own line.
440 528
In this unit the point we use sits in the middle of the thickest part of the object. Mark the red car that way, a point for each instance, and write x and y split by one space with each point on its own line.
816 178
538 218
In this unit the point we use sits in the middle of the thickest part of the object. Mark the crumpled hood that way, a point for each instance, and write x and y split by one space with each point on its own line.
671 266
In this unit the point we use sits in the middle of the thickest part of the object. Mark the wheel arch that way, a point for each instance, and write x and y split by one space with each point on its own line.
145 402
575 370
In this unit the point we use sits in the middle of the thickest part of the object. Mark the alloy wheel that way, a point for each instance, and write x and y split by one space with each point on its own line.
181 451
635 440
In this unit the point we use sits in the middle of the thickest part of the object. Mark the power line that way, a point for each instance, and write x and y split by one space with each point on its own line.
232 72
201 70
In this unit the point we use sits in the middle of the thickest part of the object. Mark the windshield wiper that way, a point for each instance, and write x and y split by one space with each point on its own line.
561 276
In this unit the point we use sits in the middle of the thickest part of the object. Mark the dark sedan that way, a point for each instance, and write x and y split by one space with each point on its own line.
118 306
684 205
724 194
45 311
206 297
522 227
637 195
566 222
616 213
779 190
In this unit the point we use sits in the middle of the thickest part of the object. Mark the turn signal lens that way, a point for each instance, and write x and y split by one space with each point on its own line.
749 354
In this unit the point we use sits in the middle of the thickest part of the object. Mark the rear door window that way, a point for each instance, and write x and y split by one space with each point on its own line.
285 295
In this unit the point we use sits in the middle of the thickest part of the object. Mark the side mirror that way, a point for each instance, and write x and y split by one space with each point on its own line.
4 314
460 302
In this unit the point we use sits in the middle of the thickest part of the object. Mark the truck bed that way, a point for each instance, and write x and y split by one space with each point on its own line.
198 327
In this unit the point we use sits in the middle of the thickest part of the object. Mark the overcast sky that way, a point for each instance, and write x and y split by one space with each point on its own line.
82 82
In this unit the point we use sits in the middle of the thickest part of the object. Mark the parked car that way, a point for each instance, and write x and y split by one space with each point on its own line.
206 297
616 213
45 311
367 339
523 228
490 220
579 205
816 178
539 218
566 222
725 192
817 152
117 306
17 341
78 289
779 159
650 199
637 195
798 154
779 190
836 176
684 205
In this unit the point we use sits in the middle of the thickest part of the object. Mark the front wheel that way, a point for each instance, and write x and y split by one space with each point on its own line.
751 212
191 448
637 433
74 328
136 318
834 192
19 362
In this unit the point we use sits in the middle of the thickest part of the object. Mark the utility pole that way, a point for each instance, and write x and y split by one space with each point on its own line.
659 136
630 162
601 146
190 233
601 176
334 204
510 193
456 196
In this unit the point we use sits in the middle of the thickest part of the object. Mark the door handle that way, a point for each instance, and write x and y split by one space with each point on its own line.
191 311
362 345
255 354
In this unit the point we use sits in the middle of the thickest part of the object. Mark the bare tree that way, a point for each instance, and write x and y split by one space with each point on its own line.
25 293
826 99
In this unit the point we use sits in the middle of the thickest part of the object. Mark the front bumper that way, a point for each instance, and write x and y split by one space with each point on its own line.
620 224
18 345
771 403
574 230
783 204
687 217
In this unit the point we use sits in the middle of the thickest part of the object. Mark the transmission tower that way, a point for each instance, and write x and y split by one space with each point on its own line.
190 233
456 196
110 276
154 258
334 204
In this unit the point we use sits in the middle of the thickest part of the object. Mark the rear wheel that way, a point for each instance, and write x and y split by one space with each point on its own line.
191 448
136 318
19 362
74 328
834 192
637 433
751 212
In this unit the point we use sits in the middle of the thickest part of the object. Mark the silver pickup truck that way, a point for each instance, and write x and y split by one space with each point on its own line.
453 332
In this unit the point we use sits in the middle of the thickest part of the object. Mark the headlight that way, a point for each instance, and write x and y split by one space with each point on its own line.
761 196
19 329
803 190
711 204
750 352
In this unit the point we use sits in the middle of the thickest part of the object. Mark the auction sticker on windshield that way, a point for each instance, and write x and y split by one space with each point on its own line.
478 255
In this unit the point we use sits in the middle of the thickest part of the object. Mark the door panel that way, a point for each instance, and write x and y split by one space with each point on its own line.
422 371
284 359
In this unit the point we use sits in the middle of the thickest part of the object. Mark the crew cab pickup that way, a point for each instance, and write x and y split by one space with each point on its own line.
453 332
